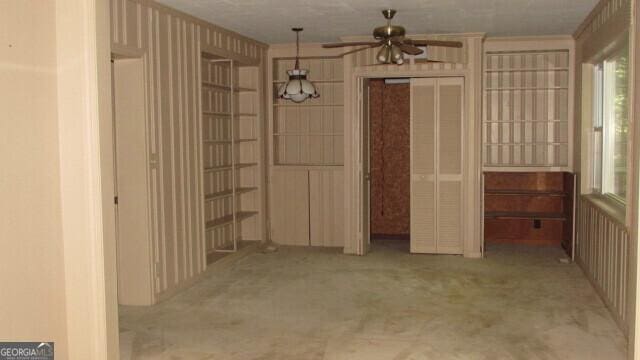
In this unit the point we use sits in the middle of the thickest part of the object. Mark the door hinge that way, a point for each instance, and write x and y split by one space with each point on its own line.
115 200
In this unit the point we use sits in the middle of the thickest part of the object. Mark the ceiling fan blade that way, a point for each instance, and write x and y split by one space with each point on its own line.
360 49
343 44
455 44
409 49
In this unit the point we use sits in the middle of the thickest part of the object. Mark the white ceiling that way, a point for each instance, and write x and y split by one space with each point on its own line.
270 21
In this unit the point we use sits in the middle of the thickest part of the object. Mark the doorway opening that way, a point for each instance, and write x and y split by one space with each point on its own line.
419 193
389 159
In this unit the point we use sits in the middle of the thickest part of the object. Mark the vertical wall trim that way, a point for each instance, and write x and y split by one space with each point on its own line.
170 47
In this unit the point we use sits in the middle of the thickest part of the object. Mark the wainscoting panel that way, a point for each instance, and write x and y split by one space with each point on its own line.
602 250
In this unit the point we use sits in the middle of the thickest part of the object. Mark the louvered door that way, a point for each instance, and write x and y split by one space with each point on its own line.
436 165
423 165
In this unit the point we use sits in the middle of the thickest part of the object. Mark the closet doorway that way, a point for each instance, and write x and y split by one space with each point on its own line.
413 163
389 156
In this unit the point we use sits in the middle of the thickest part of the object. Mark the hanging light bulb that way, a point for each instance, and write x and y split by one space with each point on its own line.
384 55
396 55
298 88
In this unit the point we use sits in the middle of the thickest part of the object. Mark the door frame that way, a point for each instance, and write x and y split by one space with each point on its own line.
355 243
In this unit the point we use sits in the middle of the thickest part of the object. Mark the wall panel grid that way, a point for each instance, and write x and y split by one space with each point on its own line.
309 133
526 120
230 153
602 250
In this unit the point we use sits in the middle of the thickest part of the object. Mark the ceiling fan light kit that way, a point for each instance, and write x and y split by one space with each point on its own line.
392 42
298 88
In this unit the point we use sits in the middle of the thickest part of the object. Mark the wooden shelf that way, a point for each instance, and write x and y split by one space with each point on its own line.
225 114
229 193
308 134
306 105
226 220
524 215
228 141
528 88
228 167
527 144
526 70
313 81
225 87
515 121
526 192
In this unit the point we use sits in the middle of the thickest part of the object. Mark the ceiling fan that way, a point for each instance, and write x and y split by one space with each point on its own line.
393 43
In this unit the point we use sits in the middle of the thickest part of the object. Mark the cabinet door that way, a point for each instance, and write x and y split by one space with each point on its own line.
290 207
449 175
326 208
423 165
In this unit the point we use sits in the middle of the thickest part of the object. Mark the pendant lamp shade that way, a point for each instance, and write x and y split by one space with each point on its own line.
297 88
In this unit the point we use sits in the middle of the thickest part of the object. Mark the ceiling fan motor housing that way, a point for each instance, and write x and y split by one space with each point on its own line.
388 31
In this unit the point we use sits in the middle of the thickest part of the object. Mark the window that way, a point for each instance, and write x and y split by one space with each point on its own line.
611 126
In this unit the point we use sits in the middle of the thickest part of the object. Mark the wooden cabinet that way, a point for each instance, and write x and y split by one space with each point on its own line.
306 183
307 207
533 208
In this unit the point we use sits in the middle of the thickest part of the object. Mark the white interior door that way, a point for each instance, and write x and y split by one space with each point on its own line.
436 165
134 251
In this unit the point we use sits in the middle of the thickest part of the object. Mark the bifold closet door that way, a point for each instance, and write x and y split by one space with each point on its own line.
423 165
436 165
449 175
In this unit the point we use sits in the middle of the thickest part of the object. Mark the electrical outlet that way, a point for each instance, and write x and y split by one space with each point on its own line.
537 224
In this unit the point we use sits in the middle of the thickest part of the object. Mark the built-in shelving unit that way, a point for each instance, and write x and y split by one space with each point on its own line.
526 115
230 143
310 133
529 208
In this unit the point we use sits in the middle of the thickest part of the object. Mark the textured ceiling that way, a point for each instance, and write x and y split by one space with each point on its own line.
270 21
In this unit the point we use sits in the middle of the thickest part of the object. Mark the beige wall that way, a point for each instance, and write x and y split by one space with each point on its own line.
32 305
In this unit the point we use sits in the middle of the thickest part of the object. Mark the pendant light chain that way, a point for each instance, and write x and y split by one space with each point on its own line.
298 56
297 67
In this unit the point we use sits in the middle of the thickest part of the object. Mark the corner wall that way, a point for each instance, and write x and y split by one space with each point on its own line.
32 304
603 249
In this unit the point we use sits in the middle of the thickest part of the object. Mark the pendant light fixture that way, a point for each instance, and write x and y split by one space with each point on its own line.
298 88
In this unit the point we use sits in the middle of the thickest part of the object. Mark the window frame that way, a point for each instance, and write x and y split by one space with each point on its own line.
603 119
